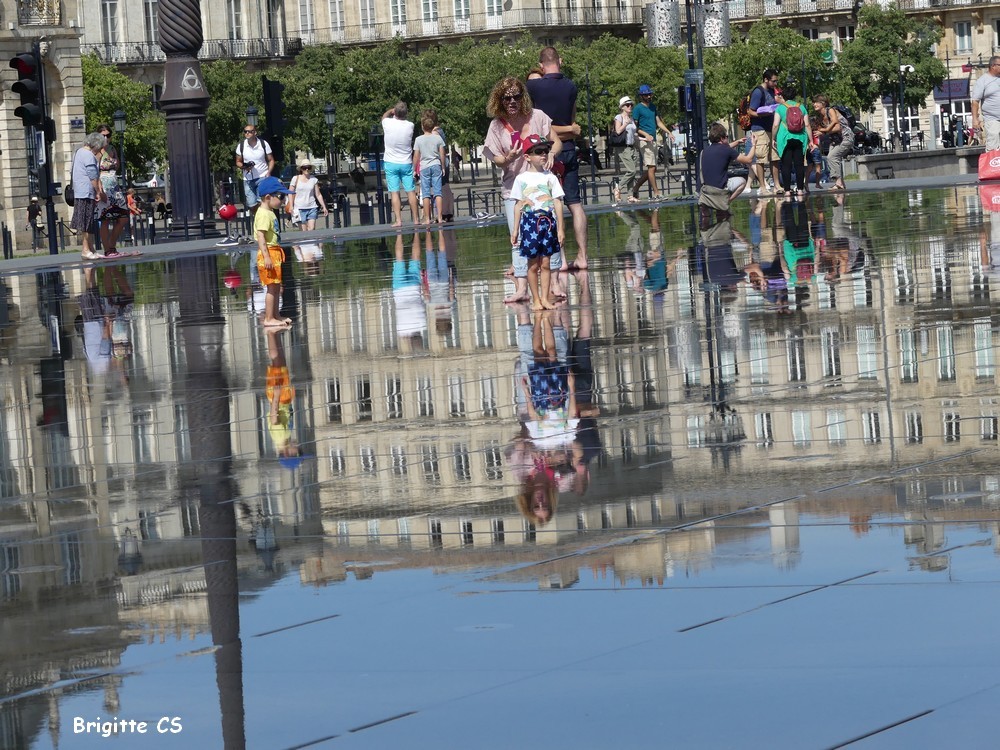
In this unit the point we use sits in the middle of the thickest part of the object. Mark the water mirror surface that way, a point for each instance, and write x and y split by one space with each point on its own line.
774 484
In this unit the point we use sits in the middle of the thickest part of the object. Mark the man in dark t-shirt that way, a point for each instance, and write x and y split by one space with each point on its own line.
718 188
555 95
761 109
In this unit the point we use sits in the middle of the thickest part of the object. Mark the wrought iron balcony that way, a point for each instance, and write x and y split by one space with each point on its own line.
746 10
482 23
137 53
39 13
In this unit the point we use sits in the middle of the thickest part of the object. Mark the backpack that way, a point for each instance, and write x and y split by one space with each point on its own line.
794 120
848 115
743 112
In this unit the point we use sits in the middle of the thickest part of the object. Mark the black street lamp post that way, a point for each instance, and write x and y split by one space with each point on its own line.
376 142
252 115
332 162
590 135
904 137
119 120
330 115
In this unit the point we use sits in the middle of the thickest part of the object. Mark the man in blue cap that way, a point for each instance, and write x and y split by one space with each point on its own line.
647 122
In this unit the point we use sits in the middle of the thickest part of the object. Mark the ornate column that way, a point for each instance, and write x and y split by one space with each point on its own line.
185 102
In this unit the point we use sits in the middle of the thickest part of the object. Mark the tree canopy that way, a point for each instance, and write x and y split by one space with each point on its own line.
456 79
105 91
868 67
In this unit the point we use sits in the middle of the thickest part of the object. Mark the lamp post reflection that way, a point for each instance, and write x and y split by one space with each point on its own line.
206 401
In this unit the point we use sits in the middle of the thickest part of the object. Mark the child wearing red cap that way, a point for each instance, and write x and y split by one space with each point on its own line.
538 217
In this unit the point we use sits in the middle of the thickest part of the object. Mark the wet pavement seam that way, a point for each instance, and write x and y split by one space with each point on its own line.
59 685
978 543
386 720
292 627
313 743
886 728
779 601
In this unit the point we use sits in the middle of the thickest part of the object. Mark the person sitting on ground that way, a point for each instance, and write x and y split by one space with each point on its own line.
718 189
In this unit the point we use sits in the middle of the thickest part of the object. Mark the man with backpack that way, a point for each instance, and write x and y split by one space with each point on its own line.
254 158
761 110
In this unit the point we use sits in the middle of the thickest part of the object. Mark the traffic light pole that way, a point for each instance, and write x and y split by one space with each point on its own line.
34 113
45 183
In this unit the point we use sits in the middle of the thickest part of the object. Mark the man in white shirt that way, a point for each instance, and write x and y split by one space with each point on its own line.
254 157
986 104
397 161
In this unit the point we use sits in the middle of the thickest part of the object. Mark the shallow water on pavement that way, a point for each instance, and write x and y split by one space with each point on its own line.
775 479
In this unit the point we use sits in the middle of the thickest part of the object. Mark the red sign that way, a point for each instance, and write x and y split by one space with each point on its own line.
967 68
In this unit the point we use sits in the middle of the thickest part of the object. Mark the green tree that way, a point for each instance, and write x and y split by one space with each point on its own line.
868 68
618 67
233 88
739 67
105 91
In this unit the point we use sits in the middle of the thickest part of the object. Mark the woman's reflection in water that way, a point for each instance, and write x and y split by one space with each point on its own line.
558 436
105 324
798 249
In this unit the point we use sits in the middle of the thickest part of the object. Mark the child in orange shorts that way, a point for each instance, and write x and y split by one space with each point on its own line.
270 256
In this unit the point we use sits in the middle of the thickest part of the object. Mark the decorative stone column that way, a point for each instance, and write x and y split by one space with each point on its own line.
185 102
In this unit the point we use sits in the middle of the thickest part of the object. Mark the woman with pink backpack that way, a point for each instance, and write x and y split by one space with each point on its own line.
792 134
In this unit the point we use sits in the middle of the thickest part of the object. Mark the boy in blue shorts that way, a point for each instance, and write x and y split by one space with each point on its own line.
428 153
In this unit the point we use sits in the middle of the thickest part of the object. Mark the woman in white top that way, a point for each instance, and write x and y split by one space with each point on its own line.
308 198
627 154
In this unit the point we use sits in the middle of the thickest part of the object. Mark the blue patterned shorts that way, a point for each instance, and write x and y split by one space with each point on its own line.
538 235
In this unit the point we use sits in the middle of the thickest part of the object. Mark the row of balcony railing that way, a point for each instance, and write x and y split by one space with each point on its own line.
211 49
753 9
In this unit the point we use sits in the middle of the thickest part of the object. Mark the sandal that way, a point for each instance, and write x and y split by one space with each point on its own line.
633 199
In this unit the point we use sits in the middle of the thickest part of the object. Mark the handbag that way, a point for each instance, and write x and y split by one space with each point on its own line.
989 165
290 201
617 139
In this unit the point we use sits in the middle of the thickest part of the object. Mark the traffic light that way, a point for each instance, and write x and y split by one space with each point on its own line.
274 107
274 113
29 87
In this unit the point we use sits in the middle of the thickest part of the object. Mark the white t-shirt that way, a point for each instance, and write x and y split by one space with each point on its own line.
258 155
541 188
986 91
305 195
308 252
398 141
555 431
411 315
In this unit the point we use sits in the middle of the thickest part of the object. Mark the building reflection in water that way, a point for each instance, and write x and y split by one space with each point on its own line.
709 377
